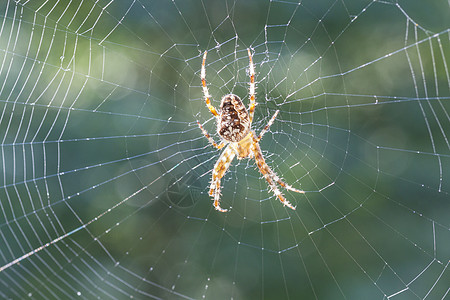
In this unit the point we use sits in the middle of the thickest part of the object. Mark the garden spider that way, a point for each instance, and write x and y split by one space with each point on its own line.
234 127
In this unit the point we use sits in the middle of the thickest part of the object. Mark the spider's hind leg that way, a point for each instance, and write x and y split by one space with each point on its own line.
205 88
251 108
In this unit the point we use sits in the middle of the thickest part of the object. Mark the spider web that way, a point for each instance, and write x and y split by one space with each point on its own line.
105 174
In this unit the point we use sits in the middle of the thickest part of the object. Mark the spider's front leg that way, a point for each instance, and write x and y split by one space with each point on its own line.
273 175
270 176
221 166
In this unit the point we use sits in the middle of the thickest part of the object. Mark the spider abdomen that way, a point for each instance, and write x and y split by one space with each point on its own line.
234 123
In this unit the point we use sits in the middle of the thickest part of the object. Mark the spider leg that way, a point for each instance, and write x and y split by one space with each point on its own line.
258 138
206 134
275 177
221 166
285 185
251 108
270 176
205 88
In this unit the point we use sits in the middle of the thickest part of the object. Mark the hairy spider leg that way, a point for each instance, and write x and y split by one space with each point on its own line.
206 134
275 177
205 88
258 138
251 108
269 175
221 166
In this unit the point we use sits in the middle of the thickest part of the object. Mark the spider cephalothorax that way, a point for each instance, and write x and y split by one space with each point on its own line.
234 127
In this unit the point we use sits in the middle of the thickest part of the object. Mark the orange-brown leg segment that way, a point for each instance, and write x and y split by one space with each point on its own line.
206 134
267 126
275 177
205 88
270 176
221 166
251 108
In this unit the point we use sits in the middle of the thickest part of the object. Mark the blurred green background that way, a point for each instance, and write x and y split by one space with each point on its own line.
105 174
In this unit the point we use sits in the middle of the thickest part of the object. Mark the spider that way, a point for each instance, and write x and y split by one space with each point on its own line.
234 127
